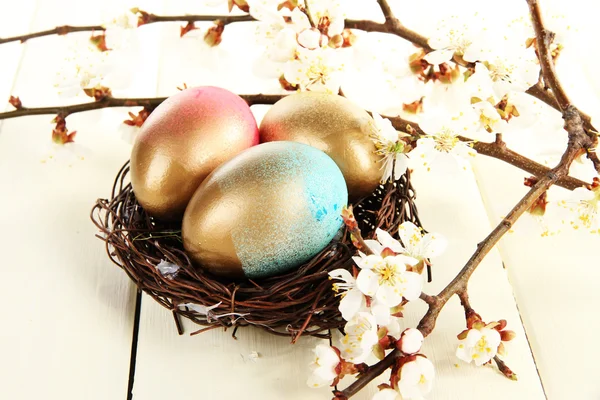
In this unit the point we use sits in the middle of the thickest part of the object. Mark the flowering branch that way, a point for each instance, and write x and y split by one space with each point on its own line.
392 25
144 18
579 140
544 38
108 101
498 150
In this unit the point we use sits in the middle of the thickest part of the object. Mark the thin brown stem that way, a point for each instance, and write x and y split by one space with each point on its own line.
506 371
464 300
59 30
391 25
372 372
108 102
148 19
498 150
543 41
306 11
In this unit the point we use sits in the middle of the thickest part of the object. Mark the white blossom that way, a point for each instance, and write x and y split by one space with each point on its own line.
317 70
480 345
361 336
418 244
124 20
384 318
584 207
352 299
87 68
328 10
387 279
390 147
441 147
411 341
387 394
384 241
455 36
323 368
416 378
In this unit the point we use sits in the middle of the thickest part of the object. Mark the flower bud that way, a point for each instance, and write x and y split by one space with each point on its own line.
214 35
411 341
311 39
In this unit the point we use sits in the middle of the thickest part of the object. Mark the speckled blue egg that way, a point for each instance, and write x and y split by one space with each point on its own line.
268 210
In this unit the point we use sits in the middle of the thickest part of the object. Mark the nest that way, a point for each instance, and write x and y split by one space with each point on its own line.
300 302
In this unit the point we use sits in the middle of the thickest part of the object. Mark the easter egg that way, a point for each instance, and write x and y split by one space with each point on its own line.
269 209
182 142
334 125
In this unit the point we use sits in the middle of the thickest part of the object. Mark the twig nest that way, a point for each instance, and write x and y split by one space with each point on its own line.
298 302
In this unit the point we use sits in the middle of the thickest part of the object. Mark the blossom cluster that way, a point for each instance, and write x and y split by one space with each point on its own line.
372 299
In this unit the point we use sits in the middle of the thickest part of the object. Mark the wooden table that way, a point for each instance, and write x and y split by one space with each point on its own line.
69 316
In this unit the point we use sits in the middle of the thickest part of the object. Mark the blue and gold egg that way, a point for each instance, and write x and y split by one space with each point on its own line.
268 210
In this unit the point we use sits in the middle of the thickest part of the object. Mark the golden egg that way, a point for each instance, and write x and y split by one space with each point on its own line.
182 141
334 125
269 209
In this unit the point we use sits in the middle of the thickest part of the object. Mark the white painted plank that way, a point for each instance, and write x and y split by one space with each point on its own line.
555 281
11 24
451 205
67 310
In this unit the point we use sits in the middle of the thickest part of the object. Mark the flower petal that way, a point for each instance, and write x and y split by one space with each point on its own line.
413 286
387 394
389 294
367 282
439 56
352 302
387 240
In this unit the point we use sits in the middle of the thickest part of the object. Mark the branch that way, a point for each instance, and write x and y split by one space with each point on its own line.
148 19
494 149
59 30
499 151
577 141
543 40
107 102
391 25
373 372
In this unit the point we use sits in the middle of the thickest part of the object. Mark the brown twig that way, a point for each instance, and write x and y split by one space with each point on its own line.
506 371
493 149
372 372
107 102
498 150
148 19
544 39
391 25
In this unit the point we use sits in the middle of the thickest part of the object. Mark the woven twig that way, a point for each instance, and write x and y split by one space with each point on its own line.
300 302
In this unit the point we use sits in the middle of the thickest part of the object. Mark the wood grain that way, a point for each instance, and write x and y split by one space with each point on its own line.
67 310
555 281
